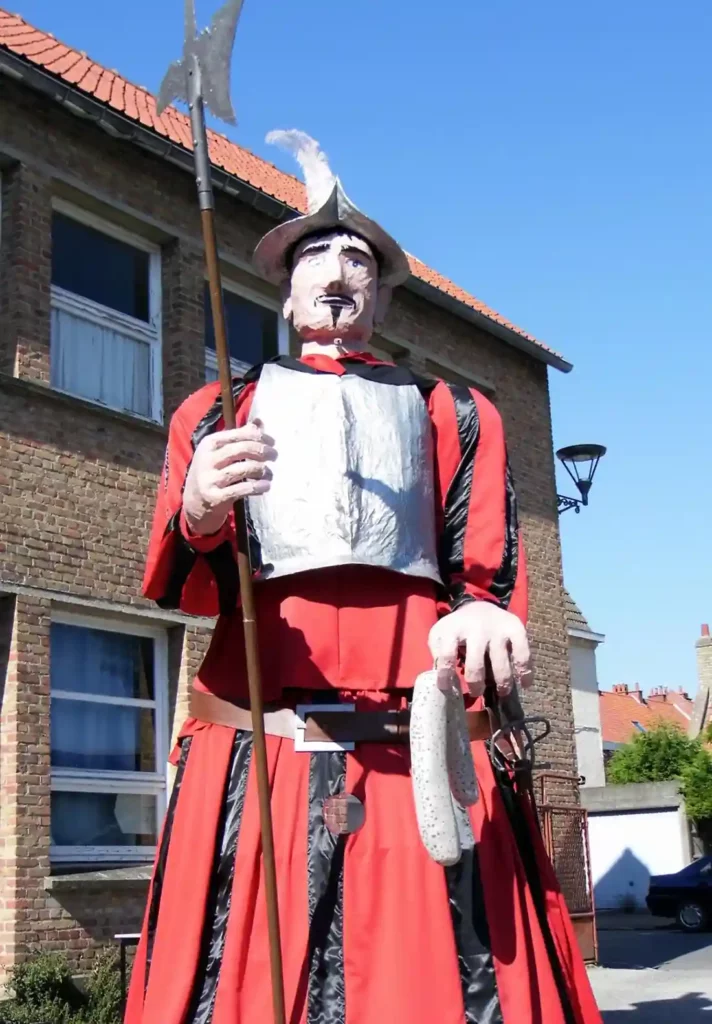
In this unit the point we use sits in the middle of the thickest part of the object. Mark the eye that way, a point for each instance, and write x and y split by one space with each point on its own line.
356 262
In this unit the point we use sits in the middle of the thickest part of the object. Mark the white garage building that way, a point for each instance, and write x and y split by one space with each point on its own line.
635 831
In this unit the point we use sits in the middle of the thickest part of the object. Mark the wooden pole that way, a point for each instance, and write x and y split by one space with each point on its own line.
254 679
184 80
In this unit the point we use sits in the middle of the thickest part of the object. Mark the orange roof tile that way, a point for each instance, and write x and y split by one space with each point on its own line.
73 67
620 709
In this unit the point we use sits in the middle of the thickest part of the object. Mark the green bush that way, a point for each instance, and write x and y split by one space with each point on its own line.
43 992
665 753
104 991
658 755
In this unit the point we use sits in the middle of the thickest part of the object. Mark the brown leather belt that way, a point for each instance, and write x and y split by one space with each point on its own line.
324 725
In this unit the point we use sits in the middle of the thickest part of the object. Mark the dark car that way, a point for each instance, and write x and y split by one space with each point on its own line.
686 896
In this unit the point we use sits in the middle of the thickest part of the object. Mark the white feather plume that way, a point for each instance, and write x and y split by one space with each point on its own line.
318 176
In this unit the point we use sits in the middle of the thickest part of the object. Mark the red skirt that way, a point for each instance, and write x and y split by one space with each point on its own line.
372 929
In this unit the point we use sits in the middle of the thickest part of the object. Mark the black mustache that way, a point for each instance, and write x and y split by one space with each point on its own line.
341 301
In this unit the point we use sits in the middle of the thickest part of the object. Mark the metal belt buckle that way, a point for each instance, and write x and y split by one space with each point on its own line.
302 712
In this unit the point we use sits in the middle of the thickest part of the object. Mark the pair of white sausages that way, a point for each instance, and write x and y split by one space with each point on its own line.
441 765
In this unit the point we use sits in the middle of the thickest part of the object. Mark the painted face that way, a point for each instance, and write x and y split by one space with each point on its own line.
334 290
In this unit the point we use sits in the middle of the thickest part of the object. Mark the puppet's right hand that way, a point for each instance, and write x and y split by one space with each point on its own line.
227 465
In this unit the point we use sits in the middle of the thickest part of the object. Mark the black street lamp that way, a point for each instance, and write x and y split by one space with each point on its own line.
581 462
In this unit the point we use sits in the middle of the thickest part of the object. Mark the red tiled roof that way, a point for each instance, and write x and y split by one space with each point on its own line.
137 104
620 709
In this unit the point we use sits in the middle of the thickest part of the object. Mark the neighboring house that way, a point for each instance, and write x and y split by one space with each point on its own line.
605 720
635 830
584 694
103 332
625 712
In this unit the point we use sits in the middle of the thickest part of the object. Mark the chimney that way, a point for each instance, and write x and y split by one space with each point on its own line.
637 693
704 682
621 688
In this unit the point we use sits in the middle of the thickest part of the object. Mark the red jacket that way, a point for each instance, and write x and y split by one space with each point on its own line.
353 627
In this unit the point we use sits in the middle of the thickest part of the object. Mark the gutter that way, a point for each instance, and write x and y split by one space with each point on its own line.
586 634
485 323
119 126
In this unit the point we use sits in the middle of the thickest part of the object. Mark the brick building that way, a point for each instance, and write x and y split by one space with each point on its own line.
103 332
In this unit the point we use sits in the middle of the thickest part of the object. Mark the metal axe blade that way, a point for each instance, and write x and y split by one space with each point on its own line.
204 68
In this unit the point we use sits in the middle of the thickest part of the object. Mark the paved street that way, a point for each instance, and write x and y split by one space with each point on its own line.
654 977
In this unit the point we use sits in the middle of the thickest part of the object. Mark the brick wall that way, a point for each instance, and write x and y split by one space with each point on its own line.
77 482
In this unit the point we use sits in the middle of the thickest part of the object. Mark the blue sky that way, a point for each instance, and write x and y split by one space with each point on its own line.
555 159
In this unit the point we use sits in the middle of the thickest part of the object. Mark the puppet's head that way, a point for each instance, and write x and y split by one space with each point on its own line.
337 268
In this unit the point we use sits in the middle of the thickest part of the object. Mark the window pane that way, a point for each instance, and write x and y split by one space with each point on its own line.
89 263
102 737
96 361
98 661
103 819
251 328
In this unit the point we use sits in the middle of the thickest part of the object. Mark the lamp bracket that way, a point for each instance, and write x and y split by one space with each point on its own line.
563 504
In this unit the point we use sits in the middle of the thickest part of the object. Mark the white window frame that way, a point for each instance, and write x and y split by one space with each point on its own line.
82 780
150 332
239 368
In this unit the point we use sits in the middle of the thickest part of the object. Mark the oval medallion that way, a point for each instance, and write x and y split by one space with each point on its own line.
343 814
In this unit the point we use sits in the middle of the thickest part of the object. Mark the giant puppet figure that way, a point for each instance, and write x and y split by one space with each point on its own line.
383 532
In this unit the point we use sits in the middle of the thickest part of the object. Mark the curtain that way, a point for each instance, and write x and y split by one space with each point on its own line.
103 819
92 736
251 329
106 737
97 362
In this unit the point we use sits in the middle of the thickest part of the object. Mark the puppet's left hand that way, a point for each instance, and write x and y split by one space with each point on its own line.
482 628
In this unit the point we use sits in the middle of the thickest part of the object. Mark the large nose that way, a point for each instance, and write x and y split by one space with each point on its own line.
333 268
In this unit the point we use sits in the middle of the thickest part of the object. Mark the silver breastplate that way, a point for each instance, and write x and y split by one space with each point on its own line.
353 482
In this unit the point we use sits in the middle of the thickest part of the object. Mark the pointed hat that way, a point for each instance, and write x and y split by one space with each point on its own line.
328 209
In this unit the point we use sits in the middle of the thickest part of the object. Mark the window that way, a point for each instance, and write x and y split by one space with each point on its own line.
105 336
639 727
256 331
108 728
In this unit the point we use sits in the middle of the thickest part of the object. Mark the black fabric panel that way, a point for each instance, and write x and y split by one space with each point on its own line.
457 500
160 869
217 910
479 985
502 585
183 561
325 858
221 561
253 542
214 414
457 595
524 842
222 565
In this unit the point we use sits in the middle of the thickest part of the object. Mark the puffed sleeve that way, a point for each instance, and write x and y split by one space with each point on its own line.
197 575
480 546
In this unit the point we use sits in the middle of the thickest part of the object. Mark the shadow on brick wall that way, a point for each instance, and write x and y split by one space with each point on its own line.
82 920
7 615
